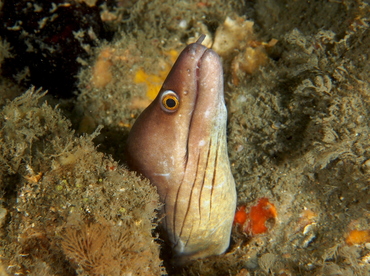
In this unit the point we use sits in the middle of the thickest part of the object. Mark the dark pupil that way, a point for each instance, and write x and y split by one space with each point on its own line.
170 103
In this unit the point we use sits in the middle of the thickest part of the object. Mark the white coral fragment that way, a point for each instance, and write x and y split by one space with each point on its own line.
231 34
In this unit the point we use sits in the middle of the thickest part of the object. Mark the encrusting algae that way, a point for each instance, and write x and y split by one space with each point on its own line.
358 237
154 82
102 74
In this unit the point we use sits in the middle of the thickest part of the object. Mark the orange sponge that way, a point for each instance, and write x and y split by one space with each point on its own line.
254 222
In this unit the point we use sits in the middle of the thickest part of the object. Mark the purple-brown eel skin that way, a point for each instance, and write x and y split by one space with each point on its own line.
179 143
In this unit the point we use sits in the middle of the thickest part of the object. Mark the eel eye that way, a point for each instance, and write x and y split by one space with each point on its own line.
169 101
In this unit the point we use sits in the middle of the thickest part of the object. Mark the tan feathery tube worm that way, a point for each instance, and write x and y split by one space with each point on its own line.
179 143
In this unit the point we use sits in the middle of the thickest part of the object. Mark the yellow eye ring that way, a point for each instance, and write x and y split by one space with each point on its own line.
169 101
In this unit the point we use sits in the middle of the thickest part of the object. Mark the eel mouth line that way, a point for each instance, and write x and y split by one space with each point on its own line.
197 74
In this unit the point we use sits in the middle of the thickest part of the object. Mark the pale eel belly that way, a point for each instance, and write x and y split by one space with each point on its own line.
179 143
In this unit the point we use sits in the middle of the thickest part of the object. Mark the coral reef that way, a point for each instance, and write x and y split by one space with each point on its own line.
297 91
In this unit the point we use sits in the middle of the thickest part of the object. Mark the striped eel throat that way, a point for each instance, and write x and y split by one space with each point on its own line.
179 143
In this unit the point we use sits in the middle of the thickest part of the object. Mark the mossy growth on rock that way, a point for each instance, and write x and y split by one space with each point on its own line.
68 208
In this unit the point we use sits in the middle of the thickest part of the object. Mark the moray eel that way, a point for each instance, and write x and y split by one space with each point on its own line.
179 143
